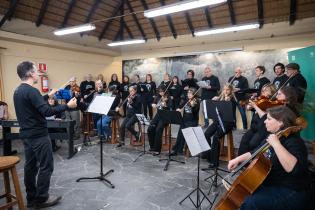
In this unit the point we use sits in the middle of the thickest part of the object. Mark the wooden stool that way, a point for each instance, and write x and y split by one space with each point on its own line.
7 164
115 129
165 138
227 152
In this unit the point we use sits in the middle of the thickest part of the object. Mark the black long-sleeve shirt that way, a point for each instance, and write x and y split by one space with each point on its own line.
114 84
135 106
298 179
124 90
31 110
280 80
214 84
241 83
299 83
151 90
190 114
168 103
260 82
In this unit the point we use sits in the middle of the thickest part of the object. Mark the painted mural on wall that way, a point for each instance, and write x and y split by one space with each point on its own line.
222 65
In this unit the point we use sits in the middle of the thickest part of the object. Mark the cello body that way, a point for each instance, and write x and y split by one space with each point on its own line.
245 184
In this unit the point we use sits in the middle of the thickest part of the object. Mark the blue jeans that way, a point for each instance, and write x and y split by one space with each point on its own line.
103 127
276 198
243 115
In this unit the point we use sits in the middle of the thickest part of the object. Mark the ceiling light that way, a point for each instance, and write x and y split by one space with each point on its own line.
206 52
134 41
228 29
74 29
181 6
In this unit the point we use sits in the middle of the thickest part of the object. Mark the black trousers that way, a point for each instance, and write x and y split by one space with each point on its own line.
180 140
128 123
215 131
147 104
155 132
39 163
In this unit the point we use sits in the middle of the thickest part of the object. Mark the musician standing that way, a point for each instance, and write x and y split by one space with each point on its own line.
240 83
281 77
155 130
148 96
176 92
189 82
133 107
124 90
211 90
114 82
261 80
86 87
287 184
297 80
31 110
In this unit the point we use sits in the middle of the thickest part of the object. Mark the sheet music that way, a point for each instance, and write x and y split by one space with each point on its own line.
101 104
205 109
196 140
220 120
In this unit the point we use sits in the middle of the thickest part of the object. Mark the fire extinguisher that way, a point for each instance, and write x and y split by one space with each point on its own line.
44 83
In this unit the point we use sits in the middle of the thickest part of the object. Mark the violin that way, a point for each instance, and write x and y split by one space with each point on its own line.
265 103
75 88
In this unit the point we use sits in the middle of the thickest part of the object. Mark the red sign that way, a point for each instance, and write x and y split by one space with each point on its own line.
42 67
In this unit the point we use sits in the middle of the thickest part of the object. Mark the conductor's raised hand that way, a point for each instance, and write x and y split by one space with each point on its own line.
72 103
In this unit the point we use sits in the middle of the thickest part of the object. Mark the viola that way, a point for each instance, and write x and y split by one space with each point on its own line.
265 103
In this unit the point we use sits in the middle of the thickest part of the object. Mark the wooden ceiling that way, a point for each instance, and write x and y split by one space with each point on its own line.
65 13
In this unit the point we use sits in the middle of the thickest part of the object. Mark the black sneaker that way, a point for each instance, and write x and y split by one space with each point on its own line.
120 144
51 201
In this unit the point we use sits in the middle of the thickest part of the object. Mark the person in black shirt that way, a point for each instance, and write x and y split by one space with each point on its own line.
124 90
189 82
212 88
240 83
101 77
155 130
133 108
215 131
148 96
190 108
297 80
261 80
87 87
287 184
31 110
176 92
141 90
114 83
166 80
281 77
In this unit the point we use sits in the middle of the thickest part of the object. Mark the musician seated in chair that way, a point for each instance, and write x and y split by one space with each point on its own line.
257 131
190 109
103 125
287 184
133 107
215 131
155 130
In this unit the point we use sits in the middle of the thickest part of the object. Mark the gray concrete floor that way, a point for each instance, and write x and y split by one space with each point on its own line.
141 185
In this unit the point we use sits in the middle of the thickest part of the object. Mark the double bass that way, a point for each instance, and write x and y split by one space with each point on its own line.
253 176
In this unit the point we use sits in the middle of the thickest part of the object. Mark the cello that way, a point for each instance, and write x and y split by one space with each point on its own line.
253 176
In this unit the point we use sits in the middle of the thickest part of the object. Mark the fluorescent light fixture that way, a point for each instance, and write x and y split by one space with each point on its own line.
74 29
181 6
228 29
212 51
128 42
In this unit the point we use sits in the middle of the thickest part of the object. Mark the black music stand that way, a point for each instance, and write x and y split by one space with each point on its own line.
170 117
197 144
143 122
105 104
218 111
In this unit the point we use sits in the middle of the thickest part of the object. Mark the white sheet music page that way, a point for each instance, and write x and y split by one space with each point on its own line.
201 139
101 104
196 140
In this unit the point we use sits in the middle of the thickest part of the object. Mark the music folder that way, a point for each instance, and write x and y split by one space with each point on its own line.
101 104
196 140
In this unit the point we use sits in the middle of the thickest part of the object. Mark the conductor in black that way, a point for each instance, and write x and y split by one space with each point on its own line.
31 110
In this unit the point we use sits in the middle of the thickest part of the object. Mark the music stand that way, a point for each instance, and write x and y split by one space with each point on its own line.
197 144
143 122
101 105
170 117
221 111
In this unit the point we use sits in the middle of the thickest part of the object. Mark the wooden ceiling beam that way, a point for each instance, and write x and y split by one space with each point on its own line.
231 11
152 22
9 13
170 21
134 16
42 12
68 12
109 22
292 17
260 7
